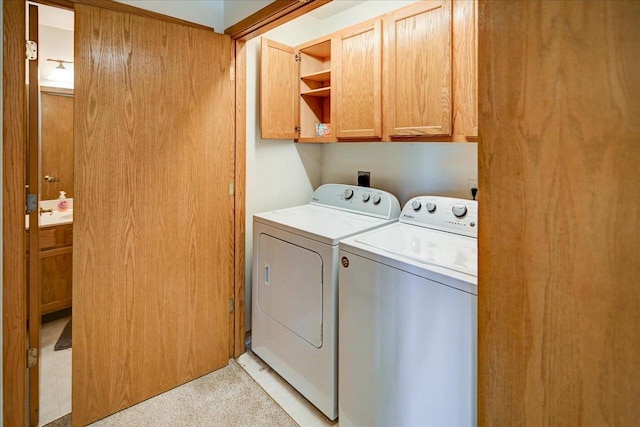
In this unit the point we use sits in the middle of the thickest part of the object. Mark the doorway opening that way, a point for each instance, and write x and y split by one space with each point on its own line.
51 280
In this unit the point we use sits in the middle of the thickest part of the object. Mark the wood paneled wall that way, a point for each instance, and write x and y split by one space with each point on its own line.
559 167
153 215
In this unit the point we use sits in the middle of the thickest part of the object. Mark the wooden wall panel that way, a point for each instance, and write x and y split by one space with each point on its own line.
153 218
559 307
14 298
57 144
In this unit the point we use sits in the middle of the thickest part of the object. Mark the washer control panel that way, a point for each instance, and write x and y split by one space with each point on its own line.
458 216
362 200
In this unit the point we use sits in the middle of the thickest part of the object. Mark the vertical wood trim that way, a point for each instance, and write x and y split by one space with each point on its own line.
240 196
34 291
558 300
465 76
14 296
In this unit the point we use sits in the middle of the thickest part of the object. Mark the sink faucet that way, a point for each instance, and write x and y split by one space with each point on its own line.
46 211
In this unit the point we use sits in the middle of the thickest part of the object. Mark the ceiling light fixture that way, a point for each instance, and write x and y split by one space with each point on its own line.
60 73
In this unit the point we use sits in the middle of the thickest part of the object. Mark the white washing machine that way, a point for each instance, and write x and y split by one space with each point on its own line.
408 318
295 284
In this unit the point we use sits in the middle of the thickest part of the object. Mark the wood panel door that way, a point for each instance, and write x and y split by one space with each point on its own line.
279 91
357 82
57 143
153 215
558 300
418 41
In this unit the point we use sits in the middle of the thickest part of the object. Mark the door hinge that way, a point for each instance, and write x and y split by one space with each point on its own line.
231 305
298 58
232 188
32 50
297 129
32 357
32 203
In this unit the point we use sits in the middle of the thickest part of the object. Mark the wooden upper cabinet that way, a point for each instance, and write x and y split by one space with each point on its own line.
358 81
465 68
279 97
419 70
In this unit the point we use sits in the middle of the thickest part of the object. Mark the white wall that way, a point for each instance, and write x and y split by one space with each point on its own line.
236 10
55 43
281 173
204 12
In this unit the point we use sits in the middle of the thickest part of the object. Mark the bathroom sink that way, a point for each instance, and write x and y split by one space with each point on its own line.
50 219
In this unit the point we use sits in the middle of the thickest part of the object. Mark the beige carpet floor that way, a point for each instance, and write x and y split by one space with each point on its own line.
226 397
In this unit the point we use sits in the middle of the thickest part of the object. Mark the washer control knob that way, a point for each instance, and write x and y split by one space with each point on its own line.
348 194
416 205
459 210
366 197
376 199
431 207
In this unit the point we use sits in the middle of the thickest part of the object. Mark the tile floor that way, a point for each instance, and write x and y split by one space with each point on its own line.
55 373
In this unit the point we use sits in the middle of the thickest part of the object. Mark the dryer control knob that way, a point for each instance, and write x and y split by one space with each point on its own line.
416 205
431 207
459 210
348 194
366 197
376 199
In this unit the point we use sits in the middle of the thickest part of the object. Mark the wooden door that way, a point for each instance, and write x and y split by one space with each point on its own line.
57 142
279 91
153 215
558 299
357 82
419 69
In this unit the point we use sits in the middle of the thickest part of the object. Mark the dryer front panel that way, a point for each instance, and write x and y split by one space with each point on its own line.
290 287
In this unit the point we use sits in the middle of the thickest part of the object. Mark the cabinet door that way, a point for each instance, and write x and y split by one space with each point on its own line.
279 99
419 70
465 69
358 81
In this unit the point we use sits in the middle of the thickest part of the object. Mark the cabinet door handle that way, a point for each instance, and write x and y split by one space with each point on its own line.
267 273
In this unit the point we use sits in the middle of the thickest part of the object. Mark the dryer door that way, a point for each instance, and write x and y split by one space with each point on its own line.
290 287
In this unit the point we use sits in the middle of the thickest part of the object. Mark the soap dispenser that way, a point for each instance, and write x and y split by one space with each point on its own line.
63 203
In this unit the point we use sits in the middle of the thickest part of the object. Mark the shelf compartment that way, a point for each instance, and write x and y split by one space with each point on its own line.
320 76
322 92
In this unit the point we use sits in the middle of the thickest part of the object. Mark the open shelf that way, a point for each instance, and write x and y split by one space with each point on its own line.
322 92
320 76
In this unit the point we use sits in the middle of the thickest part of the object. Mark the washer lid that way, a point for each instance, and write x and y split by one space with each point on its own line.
426 246
326 225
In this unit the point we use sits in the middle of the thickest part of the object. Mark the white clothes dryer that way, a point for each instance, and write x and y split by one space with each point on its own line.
408 318
295 284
